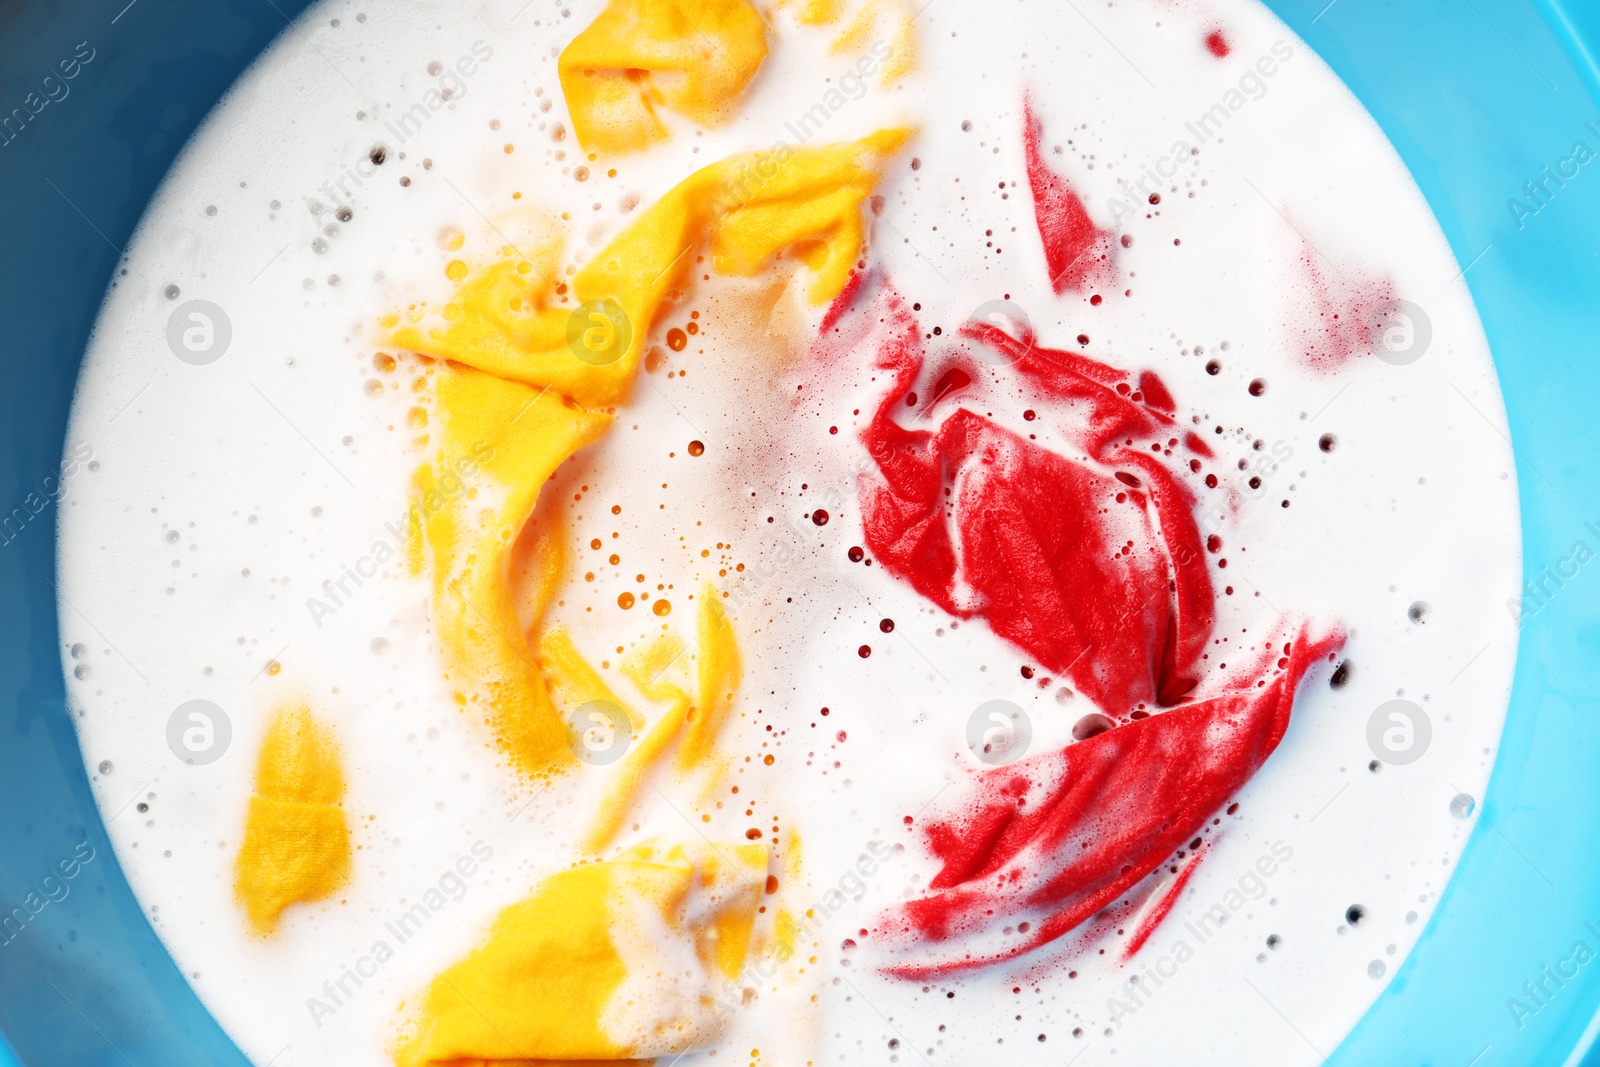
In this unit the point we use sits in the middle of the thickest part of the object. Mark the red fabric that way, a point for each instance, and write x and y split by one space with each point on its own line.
1077 252
1060 836
1094 566
1047 550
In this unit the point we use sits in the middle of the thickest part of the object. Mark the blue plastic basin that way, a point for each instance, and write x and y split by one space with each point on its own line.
1477 95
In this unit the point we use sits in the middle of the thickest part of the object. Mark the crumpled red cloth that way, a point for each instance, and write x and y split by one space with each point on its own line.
1094 565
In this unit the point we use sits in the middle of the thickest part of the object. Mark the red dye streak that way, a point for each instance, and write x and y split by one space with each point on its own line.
1077 251
1217 44
1154 917
1350 311
1046 965
842 302
1096 569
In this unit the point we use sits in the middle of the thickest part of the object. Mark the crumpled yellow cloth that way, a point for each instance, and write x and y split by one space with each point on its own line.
296 839
535 369
690 724
744 212
695 57
468 519
621 960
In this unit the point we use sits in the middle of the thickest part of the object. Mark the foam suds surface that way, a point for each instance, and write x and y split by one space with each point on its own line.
237 538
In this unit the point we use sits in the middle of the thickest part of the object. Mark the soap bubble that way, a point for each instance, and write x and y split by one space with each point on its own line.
1462 805
1090 725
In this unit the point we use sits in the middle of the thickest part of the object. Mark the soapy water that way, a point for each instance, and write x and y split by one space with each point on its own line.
240 539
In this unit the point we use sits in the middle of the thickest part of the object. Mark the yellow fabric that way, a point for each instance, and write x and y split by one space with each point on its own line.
519 395
695 57
817 12
646 667
694 724
720 670
519 435
857 36
565 668
745 211
616 961
579 972
539 566
296 839
630 775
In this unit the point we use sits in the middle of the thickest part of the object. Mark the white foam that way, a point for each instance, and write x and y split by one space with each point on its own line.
276 461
